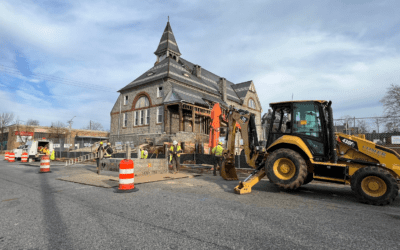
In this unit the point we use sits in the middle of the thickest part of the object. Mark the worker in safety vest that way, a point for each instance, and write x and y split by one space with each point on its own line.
217 151
174 156
143 154
45 151
108 150
52 156
100 148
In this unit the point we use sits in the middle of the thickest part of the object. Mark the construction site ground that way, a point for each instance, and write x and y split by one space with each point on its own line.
201 212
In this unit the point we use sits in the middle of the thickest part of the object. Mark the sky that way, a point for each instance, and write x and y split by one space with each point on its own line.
62 60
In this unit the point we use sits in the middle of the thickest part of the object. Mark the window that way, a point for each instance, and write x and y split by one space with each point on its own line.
125 119
252 104
142 102
147 116
307 119
160 111
160 92
136 117
125 100
141 117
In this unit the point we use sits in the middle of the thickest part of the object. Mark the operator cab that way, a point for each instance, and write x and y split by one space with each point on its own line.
304 119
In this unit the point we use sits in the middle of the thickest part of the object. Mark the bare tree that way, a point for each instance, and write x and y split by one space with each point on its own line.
378 121
5 120
347 121
392 127
32 122
58 130
94 126
24 134
363 126
391 106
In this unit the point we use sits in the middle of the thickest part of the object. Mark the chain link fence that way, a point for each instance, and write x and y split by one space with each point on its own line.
384 131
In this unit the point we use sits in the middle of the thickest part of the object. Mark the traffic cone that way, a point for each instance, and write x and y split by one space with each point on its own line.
11 157
6 156
24 157
44 164
126 177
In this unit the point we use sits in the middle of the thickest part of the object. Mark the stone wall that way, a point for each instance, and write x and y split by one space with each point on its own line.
142 167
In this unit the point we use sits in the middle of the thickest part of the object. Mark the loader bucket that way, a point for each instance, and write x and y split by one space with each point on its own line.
228 171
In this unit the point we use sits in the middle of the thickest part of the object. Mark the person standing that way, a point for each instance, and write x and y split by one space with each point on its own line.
143 154
108 150
217 151
174 157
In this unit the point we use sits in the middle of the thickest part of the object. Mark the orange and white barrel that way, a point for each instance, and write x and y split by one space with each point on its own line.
11 157
126 175
44 164
24 157
6 156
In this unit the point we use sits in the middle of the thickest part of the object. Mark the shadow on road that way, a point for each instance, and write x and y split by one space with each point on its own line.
56 229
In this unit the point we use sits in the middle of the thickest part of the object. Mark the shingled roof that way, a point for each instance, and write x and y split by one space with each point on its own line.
184 71
241 89
167 42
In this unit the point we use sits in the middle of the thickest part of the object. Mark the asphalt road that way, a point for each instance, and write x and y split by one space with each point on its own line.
40 212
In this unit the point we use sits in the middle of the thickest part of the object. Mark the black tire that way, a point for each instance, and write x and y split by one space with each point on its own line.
390 192
294 179
309 178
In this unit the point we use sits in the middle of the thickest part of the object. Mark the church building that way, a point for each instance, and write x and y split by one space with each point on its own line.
173 100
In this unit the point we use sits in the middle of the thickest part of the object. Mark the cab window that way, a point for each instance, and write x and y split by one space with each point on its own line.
307 119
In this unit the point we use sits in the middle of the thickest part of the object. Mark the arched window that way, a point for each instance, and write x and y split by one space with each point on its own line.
252 104
141 117
142 102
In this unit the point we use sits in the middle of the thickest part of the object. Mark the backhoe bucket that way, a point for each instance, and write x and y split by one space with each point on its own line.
228 171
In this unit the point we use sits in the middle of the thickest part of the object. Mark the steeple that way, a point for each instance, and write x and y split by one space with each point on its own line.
167 46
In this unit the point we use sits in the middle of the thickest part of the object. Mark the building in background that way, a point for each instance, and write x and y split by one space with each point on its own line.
173 100
63 138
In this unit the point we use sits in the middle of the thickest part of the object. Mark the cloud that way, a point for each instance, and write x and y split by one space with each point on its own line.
344 52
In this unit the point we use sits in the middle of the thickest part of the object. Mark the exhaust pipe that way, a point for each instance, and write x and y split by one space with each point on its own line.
332 137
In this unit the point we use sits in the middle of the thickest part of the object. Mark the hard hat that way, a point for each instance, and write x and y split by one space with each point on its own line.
101 143
109 143
175 142
220 143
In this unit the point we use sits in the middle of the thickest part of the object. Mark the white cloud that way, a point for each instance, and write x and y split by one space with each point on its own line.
340 52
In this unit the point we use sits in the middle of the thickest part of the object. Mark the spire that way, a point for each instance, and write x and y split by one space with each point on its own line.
168 46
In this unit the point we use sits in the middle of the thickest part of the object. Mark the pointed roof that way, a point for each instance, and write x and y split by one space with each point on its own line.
167 42
241 89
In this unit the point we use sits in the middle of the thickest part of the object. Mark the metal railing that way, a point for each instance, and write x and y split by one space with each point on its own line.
83 158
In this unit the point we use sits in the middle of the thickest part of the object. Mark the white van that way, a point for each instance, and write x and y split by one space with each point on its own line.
32 149
18 152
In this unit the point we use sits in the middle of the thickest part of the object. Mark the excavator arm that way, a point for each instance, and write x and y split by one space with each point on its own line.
246 121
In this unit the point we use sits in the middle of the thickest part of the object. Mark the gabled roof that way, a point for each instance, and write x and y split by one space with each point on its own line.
182 93
167 42
157 72
184 72
241 89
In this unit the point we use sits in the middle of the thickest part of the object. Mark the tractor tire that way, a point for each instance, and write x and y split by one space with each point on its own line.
374 186
309 178
286 169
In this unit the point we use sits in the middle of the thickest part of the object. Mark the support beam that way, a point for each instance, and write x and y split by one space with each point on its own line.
180 117
166 119
193 120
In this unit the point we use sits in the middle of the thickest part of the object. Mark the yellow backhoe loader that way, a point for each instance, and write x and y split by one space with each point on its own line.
302 146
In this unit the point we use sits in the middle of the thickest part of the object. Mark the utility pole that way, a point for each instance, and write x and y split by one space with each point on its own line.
70 125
